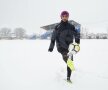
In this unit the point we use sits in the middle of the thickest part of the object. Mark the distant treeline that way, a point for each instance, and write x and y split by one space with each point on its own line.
17 33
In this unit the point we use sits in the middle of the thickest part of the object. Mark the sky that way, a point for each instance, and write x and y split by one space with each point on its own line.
32 14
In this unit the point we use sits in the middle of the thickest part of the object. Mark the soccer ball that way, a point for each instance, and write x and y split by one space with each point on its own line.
74 48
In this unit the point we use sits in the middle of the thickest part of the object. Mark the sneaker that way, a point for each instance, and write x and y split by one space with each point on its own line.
68 80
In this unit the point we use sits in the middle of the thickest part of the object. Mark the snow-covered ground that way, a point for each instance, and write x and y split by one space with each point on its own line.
27 65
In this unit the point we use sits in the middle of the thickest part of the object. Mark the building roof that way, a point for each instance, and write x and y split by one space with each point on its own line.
52 26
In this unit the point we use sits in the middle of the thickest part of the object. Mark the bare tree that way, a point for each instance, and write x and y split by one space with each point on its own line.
5 33
107 32
19 33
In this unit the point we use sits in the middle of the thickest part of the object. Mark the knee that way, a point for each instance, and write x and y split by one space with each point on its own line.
65 57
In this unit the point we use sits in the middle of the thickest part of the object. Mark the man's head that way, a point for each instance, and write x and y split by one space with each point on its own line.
64 16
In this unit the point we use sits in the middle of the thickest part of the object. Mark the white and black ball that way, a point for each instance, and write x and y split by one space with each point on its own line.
74 48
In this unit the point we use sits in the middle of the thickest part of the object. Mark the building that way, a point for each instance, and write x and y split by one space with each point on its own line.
52 26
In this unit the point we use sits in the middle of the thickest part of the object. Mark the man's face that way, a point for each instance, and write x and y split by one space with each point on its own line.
64 18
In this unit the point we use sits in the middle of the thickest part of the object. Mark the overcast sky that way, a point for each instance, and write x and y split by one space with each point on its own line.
32 14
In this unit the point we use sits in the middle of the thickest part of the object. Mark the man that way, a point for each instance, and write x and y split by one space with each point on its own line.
64 34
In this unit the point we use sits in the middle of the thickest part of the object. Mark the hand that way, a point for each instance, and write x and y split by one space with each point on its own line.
50 49
76 44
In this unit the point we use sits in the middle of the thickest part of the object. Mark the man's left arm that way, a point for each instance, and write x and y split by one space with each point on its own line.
76 35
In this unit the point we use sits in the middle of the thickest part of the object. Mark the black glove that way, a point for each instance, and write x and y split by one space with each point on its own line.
50 49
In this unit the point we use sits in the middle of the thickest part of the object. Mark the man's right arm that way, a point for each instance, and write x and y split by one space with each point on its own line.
52 43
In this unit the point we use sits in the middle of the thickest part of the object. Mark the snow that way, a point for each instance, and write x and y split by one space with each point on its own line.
27 65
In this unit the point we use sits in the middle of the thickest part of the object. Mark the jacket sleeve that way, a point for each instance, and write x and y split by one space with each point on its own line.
53 37
76 35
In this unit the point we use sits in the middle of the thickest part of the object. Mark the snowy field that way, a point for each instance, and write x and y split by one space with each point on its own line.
27 65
